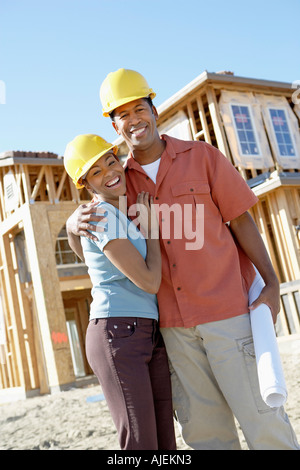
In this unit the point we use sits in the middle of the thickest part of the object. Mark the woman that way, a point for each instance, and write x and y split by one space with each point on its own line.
123 343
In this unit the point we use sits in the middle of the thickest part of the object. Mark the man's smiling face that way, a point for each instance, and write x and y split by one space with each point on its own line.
136 123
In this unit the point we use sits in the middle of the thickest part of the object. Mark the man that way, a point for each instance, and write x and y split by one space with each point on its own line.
203 298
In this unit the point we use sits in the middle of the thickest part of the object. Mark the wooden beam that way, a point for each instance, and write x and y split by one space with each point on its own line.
203 119
264 231
50 184
37 184
41 368
49 304
216 120
279 236
288 232
18 178
14 219
26 183
60 186
192 120
294 313
74 192
15 326
2 199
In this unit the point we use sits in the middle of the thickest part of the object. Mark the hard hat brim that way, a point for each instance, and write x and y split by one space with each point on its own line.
106 112
90 163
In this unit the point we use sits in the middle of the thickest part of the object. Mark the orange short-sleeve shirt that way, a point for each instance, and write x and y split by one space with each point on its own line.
205 276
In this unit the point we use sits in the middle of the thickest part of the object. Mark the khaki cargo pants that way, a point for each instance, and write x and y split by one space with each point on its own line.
214 378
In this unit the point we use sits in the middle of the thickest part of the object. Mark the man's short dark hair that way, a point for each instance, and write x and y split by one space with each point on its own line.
148 99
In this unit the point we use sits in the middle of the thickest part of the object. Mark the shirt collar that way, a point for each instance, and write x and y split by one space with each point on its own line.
173 147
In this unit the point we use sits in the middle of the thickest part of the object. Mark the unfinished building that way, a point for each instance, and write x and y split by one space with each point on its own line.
45 288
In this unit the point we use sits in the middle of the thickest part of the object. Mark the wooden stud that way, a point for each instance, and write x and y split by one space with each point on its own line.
74 192
279 236
60 186
192 120
290 242
216 120
203 120
37 184
263 229
50 184
15 327
26 183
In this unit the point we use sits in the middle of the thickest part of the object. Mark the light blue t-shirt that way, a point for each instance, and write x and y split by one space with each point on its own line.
114 295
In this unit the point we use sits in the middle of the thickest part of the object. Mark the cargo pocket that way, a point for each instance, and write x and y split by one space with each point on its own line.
246 347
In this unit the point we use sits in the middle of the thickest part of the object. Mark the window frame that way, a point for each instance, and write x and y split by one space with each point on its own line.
254 130
287 120
59 253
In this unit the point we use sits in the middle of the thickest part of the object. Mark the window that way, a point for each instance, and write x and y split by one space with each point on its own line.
282 132
245 130
67 262
63 253
244 127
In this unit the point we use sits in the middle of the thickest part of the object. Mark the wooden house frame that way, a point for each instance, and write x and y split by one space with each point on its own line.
36 198
45 290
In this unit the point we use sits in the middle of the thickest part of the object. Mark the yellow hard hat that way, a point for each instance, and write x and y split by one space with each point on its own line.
121 87
81 154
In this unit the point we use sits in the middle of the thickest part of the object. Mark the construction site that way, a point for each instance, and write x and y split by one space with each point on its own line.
45 290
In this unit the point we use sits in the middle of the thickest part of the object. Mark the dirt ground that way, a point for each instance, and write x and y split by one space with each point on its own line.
79 419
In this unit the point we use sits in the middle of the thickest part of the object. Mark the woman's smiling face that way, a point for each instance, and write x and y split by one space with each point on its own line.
107 178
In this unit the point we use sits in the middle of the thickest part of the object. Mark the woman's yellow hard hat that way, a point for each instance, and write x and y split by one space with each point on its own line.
121 87
81 154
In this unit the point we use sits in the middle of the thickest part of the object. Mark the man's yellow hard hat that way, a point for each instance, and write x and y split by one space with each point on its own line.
81 154
121 87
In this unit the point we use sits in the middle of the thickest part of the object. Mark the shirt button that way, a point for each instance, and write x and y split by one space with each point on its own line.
178 288
156 197
191 189
168 242
174 265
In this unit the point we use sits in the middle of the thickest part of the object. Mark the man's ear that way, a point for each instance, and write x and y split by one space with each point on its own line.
154 110
116 128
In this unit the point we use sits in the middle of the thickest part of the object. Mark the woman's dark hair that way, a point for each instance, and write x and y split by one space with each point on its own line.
148 99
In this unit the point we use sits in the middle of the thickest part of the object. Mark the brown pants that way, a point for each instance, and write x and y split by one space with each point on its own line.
128 357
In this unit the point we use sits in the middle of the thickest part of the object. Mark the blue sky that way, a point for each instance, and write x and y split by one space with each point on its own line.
55 54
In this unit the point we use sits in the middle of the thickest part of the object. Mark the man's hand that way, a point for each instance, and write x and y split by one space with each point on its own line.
248 237
78 223
270 295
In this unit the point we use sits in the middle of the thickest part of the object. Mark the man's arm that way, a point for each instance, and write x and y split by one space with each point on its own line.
248 237
78 225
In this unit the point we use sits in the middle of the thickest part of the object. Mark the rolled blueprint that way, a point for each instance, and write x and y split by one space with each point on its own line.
270 373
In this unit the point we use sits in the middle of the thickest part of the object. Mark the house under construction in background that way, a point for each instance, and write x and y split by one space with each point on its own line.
45 289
